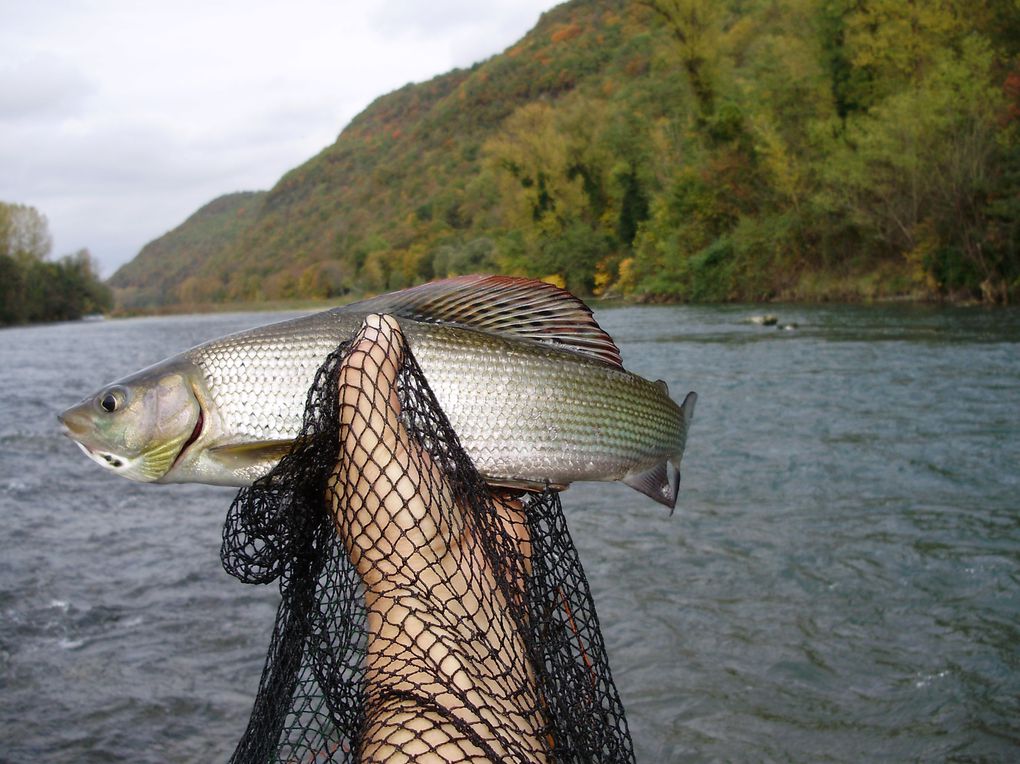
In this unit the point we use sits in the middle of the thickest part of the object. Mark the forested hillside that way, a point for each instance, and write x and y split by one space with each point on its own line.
670 149
171 268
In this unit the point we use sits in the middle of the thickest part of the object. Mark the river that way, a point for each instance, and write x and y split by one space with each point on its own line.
840 581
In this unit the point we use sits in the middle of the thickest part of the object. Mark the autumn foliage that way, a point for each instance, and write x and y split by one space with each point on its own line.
664 150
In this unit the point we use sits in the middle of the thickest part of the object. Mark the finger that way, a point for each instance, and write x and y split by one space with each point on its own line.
369 434
369 403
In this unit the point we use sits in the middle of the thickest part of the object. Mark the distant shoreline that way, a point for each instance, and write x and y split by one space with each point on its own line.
312 305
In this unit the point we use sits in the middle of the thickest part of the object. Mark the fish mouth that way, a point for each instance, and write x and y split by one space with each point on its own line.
71 424
101 457
74 429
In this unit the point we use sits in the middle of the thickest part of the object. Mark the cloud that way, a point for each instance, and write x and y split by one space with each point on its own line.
119 119
42 88
471 31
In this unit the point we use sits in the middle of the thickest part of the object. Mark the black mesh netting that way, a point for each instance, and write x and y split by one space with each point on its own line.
424 615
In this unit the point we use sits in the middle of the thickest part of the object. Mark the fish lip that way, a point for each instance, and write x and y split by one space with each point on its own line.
103 459
74 437
74 434
69 431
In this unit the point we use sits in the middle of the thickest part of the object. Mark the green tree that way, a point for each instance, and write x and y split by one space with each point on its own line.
551 192
33 288
12 290
696 28
915 171
24 232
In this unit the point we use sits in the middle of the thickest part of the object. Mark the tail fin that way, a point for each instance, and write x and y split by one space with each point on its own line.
687 412
662 482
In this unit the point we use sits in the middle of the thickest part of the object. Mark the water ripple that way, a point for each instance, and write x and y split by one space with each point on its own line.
838 583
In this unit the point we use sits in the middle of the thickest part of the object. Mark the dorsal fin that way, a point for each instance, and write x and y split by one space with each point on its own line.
502 305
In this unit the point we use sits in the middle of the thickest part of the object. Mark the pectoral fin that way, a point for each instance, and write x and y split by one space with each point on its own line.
237 456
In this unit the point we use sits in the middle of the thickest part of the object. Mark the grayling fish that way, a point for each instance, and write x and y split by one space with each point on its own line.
534 389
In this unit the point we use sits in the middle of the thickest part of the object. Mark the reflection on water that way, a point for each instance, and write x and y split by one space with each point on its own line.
839 581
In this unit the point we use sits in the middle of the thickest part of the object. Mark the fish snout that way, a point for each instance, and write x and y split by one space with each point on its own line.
79 426
76 423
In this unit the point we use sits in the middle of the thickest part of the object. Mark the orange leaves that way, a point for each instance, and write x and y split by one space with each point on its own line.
564 32
1011 87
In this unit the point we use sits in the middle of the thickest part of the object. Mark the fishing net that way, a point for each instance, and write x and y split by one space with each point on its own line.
425 616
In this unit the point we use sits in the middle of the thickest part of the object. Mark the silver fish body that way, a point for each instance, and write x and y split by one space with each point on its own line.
527 412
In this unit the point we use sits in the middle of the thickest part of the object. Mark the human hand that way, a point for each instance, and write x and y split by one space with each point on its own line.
448 678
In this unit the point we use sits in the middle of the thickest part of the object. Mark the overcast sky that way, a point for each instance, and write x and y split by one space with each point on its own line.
119 119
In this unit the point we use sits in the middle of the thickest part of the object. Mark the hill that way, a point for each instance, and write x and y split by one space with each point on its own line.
670 149
169 269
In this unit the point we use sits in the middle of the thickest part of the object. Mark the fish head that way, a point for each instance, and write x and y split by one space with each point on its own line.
141 426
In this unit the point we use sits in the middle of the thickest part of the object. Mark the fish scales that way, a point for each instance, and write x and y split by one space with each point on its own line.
519 409
259 379
524 409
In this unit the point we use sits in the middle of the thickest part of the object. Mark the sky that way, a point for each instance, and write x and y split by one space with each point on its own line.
119 119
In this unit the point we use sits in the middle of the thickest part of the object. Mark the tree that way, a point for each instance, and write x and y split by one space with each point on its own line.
695 26
550 194
915 171
33 288
24 232
896 43
12 290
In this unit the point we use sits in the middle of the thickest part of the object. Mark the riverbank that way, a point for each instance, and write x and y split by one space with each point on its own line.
877 287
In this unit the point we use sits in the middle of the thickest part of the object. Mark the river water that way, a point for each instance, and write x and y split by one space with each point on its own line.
840 581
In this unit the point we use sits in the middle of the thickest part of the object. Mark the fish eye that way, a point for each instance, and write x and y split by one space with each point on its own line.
112 400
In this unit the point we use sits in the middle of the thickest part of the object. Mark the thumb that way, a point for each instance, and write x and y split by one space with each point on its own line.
369 404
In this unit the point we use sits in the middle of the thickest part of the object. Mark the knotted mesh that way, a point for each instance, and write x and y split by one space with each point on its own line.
425 616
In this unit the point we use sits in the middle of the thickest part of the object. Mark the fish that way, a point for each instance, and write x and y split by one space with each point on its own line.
534 389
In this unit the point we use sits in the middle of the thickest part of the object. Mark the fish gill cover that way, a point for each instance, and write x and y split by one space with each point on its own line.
422 614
